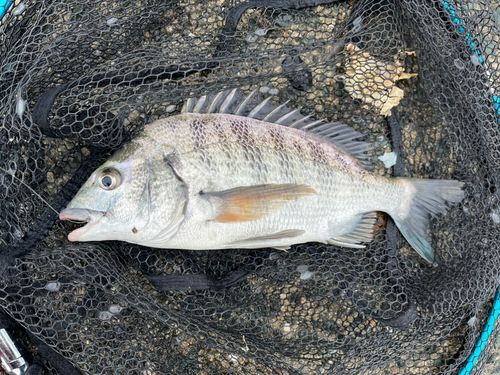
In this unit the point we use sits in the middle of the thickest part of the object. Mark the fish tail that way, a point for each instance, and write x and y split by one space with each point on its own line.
424 199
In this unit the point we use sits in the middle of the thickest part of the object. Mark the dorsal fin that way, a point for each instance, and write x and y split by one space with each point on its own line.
234 102
343 136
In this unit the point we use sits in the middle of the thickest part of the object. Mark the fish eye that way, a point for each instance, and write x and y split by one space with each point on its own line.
109 179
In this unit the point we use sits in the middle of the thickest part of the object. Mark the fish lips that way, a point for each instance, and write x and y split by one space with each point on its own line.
92 217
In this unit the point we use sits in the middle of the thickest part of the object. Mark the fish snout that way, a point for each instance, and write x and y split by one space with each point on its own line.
77 214
84 215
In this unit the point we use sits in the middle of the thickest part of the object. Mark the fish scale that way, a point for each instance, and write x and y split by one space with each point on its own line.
206 180
323 211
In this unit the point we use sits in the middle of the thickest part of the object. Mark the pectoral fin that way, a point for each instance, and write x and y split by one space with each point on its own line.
257 242
250 203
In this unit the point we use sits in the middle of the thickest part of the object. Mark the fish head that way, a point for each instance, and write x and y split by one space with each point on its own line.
121 199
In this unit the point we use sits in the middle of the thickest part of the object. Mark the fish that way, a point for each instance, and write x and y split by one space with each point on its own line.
234 171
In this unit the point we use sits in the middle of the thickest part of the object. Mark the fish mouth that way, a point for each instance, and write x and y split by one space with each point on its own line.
91 217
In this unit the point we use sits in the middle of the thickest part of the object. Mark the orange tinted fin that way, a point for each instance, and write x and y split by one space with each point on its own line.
250 203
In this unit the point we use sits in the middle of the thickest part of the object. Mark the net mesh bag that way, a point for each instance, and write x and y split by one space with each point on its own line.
419 78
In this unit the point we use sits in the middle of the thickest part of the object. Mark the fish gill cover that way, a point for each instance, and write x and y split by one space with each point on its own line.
78 79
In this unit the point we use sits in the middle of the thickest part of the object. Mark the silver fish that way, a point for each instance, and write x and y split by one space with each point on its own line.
229 173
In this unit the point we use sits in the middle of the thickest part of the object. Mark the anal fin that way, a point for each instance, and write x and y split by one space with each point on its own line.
256 242
362 232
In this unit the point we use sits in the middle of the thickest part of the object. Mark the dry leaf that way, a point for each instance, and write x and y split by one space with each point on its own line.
373 81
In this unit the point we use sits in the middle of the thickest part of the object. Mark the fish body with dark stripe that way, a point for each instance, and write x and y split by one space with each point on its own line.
219 180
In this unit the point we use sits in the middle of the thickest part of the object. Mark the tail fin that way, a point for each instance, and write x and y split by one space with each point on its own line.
428 200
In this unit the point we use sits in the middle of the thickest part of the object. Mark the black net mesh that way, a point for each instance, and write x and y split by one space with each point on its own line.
80 78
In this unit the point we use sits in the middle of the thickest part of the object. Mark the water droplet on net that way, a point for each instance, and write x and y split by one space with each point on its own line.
53 286
261 32
115 309
12 167
20 105
105 315
251 38
472 321
459 64
475 60
8 68
357 24
305 274
17 233
19 9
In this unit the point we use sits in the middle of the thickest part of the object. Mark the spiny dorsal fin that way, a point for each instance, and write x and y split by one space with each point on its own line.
234 102
343 136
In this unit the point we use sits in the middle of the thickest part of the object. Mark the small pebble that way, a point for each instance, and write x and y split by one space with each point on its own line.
171 108
264 89
285 20
274 91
